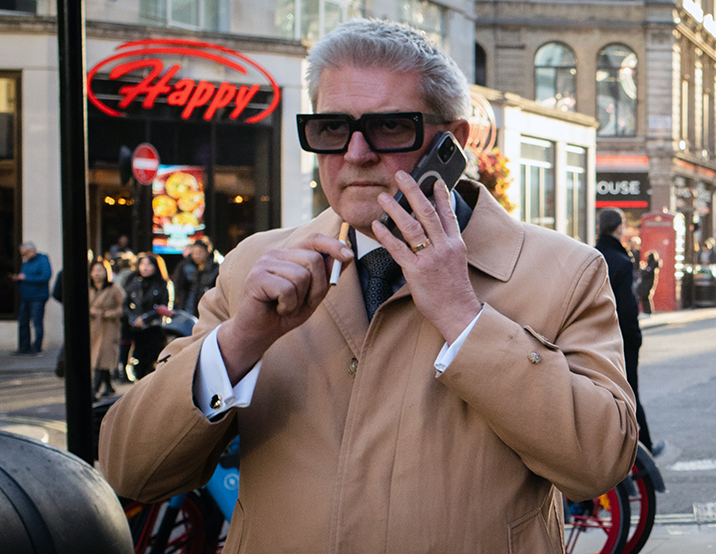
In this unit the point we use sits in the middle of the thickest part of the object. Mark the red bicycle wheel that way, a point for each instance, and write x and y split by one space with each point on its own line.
187 531
643 508
600 525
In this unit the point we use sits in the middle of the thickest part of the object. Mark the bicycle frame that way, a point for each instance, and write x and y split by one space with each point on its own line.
223 486
159 528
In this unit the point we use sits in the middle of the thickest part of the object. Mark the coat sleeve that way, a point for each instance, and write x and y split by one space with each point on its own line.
565 408
117 301
179 450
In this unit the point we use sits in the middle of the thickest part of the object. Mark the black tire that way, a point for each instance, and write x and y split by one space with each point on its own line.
607 520
643 505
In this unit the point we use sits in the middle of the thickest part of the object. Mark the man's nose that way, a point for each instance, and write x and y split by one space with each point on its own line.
359 150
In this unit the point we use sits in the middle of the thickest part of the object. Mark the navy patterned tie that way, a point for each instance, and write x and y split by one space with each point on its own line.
382 273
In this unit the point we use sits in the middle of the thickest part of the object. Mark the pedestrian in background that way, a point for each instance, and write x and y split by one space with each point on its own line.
649 279
123 268
57 295
105 301
621 264
34 279
707 254
146 291
122 247
194 275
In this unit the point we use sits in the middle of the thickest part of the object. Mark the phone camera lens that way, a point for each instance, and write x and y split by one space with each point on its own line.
446 150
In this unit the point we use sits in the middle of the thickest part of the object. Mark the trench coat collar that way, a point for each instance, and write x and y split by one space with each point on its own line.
493 237
494 242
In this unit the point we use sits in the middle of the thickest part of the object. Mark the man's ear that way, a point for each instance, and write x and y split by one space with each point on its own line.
461 130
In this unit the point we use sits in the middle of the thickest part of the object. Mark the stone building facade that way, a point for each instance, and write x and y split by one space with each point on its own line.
644 69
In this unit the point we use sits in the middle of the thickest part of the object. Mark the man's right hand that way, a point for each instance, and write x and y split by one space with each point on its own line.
283 289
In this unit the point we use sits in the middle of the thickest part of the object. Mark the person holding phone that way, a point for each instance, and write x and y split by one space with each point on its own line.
436 399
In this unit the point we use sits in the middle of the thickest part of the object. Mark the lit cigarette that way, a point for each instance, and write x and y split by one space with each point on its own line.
343 237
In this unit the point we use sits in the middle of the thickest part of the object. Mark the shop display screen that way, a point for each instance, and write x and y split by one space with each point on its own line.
178 208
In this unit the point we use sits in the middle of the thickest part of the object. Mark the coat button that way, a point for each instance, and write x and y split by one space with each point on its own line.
534 358
216 401
353 367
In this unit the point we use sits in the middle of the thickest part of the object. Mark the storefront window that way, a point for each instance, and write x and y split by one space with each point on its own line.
556 77
426 16
480 65
210 15
616 91
26 6
309 20
576 193
9 190
537 182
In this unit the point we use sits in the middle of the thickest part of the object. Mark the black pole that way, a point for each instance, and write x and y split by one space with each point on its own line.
73 156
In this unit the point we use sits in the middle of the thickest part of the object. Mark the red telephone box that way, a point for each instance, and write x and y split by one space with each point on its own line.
664 234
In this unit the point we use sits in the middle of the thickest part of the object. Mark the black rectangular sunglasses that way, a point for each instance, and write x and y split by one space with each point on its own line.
330 133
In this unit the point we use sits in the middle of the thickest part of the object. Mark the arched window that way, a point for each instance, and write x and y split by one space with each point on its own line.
556 76
616 91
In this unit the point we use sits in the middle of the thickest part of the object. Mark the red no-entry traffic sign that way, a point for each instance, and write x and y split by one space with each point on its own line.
145 163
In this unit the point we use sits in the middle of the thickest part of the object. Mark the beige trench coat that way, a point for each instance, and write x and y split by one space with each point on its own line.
394 459
105 329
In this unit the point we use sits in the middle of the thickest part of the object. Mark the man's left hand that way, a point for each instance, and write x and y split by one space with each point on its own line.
437 274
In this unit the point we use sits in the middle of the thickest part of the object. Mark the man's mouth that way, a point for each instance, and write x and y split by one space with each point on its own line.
364 184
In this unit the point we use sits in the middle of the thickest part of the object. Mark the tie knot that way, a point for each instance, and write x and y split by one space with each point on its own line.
380 265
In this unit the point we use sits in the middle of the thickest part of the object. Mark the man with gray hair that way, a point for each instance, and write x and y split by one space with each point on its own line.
34 279
438 396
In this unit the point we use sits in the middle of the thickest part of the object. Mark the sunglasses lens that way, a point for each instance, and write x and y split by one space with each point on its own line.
392 133
384 132
327 134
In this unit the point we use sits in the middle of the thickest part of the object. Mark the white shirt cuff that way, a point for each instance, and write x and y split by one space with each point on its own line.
448 352
213 392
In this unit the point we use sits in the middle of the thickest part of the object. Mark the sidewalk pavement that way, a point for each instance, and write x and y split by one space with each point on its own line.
30 363
660 319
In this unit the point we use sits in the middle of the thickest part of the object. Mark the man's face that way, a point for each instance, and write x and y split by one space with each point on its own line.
353 180
26 253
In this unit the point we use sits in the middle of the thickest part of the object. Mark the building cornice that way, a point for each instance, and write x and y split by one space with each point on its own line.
530 106
126 32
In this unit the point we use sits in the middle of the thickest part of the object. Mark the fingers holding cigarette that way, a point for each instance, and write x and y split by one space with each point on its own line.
337 265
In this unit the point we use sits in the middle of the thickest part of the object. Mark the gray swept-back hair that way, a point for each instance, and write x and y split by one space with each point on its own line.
366 43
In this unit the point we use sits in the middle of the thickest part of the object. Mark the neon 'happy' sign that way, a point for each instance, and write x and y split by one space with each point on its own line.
145 55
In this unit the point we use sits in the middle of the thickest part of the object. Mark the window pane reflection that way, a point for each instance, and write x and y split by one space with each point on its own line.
556 76
538 182
616 91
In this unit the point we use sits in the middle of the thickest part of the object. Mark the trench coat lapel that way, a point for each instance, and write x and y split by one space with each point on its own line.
493 237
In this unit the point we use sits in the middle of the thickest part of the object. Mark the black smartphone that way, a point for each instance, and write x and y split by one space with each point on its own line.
444 159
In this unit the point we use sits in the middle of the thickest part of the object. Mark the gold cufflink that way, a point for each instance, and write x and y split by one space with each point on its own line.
216 401
534 358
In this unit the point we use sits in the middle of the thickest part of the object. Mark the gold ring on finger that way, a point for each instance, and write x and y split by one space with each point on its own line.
421 246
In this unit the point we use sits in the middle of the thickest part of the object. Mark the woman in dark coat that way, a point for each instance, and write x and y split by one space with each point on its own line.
649 279
146 290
